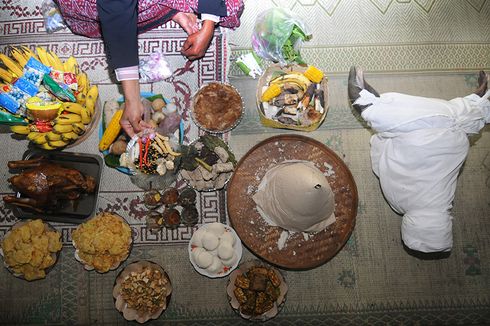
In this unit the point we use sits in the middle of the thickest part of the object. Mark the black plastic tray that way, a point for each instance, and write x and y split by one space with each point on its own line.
86 205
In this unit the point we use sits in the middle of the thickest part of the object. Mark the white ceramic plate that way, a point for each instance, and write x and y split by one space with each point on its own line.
237 247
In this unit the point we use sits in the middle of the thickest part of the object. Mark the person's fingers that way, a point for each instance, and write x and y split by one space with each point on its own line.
145 125
127 127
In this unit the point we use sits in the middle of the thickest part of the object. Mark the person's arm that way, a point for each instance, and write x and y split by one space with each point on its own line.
118 20
196 45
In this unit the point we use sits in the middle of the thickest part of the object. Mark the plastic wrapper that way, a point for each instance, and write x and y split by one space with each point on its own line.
154 68
249 64
64 94
53 21
278 35
7 118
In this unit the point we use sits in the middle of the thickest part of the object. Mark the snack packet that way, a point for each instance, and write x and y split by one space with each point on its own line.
34 71
64 94
7 118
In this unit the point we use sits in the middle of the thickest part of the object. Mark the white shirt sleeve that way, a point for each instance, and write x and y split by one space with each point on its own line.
213 18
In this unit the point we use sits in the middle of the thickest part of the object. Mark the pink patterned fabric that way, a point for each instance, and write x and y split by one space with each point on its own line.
81 15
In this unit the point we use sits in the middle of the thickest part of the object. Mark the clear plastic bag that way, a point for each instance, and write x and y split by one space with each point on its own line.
53 21
278 36
154 68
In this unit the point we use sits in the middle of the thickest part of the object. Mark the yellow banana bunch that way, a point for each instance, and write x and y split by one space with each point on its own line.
86 116
52 136
293 77
6 75
55 61
43 56
72 107
18 55
46 146
81 98
11 65
28 52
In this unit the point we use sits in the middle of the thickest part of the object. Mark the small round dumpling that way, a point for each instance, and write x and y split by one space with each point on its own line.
215 266
228 237
230 262
196 239
216 228
210 241
195 252
204 259
225 250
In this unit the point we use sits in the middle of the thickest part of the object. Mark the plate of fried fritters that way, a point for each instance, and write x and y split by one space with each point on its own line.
30 249
103 242
256 290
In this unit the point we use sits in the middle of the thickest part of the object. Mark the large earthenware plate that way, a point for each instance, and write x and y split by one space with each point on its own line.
300 250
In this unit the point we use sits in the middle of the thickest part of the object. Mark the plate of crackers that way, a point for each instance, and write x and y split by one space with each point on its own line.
103 242
30 249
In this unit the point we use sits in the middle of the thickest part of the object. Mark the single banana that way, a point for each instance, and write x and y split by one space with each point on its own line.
37 137
46 146
86 117
69 136
93 92
11 65
43 56
90 105
62 128
21 130
72 107
51 136
70 65
67 119
82 83
6 75
78 128
58 143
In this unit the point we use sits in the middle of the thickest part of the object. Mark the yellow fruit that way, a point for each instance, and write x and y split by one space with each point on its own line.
72 107
82 81
50 136
112 131
62 128
69 136
81 98
93 92
90 104
28 52
21 130
43 56
67 119
70 65
6 75
19 57
57 143
37 137
46 146
86 117
78 128
11 65
55 61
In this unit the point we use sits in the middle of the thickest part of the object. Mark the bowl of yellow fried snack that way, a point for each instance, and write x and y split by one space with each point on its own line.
102 242
30 249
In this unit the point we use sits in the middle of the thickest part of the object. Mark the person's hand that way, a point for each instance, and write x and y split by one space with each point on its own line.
196 45
131 121
188 22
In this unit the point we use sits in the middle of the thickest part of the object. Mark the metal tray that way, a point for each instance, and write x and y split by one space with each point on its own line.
86 205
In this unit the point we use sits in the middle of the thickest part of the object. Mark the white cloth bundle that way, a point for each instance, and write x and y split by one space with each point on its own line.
420 145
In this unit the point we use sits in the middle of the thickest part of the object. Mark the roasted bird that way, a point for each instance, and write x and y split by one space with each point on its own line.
45 185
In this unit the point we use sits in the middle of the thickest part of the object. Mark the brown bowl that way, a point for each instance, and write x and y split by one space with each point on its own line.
43 115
